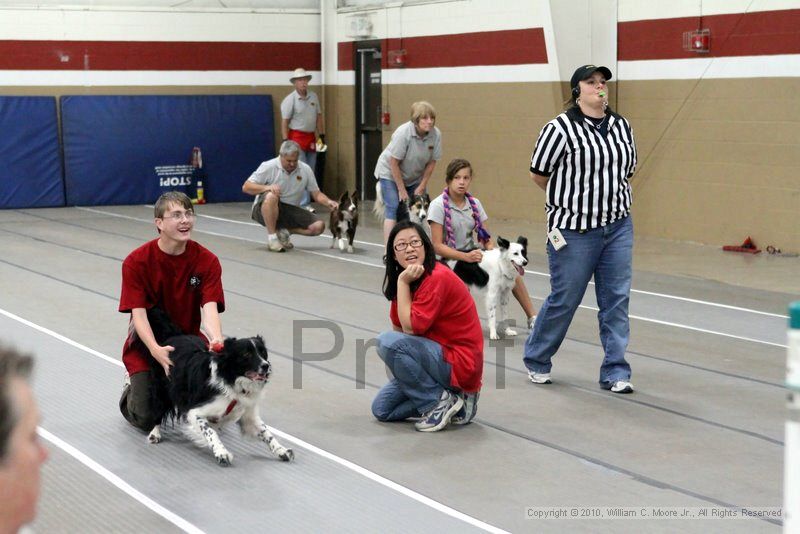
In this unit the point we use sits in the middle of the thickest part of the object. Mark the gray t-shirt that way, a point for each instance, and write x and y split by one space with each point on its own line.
461 218
301 112
413 151
292 185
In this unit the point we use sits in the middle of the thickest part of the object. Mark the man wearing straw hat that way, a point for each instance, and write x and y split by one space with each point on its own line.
302 121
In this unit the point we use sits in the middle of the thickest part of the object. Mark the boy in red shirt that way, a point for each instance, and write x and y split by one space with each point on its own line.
179 276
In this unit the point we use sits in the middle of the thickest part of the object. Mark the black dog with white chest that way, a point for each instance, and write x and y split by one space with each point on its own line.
344 221
207 390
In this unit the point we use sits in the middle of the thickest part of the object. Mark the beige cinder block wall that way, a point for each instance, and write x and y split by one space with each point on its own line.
718 159
494 126
340 160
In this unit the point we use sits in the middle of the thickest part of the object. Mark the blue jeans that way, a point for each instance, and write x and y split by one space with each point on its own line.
309 158
606 253
420 376
391 198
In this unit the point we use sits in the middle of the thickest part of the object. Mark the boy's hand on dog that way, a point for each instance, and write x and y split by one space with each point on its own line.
161 354
473 256
419 191
411 273
402 194
332 204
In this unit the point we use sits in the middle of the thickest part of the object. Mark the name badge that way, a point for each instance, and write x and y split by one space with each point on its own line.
556 239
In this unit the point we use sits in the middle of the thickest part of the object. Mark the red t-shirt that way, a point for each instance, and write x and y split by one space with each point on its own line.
180 285
443 310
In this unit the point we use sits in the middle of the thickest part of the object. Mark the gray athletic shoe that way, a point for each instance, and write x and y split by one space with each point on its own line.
468 412
439 417
284 238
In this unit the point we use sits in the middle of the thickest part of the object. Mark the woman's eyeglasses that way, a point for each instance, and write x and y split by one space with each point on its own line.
400 246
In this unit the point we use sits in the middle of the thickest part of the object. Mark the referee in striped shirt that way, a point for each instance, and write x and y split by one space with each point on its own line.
583 160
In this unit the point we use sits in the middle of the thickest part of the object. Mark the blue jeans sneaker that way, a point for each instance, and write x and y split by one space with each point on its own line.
439 417
468 412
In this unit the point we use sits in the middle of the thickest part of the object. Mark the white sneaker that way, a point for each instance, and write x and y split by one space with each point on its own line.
285 238
539 378
622 386
273 245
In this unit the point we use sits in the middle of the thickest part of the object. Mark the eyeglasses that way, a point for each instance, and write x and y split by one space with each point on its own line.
402 245
180 216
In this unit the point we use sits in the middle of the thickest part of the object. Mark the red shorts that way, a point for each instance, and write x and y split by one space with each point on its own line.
306 140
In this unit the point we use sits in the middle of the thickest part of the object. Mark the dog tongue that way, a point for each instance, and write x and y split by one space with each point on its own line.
520 270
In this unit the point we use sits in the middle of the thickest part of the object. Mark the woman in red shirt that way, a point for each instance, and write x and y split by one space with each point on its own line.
435 351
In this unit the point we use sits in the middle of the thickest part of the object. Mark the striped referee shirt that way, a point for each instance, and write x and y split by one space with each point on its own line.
588 166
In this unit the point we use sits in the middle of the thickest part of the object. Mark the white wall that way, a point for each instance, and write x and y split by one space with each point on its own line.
184 5
646 10
401 20
143 24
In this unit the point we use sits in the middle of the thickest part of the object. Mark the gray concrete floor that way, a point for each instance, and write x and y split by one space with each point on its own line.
704 429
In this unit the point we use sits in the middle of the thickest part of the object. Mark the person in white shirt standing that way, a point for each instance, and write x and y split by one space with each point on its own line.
302 121
278 185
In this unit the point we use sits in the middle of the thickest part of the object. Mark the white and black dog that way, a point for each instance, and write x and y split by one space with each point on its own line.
344 221
207 390
497 273
414 209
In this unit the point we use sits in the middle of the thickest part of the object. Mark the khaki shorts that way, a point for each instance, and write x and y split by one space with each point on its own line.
289 216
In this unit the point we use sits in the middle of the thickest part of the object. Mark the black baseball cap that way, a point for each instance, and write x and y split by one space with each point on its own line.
585 71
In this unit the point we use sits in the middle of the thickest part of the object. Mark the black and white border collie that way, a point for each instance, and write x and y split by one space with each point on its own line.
207 390
414 209
497 273
344 221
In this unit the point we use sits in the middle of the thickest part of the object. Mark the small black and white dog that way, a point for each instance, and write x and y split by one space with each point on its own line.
414 209
344 221
497 273
207 390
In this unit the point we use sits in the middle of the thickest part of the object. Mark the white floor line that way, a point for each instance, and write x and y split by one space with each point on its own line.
173 518
427 501
637 317
436 505
547 275
250 223
694 328
59 337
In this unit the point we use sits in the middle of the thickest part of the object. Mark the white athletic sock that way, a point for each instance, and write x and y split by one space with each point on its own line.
272 236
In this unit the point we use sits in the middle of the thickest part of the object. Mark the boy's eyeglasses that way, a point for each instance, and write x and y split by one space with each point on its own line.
180 215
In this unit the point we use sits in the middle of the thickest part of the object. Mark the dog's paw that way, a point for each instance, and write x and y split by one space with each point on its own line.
342 244
493 335
224 459
510 333
350 249
154 436
286 455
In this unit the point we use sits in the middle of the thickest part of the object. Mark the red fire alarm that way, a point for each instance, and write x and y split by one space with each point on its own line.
697 41
397 58
386 118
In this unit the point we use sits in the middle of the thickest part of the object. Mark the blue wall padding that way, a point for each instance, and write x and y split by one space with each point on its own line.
30 163
113 144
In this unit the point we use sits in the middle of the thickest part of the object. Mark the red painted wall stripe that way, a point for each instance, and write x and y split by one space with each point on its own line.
157 55
505 47
742 34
